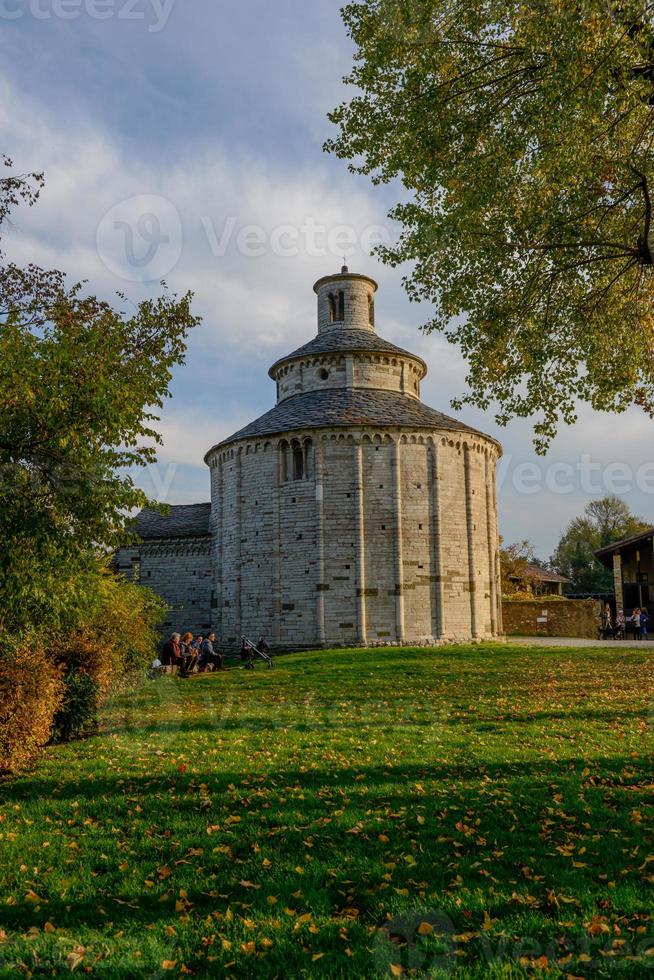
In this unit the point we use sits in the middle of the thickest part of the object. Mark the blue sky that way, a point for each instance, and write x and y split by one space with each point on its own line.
203 123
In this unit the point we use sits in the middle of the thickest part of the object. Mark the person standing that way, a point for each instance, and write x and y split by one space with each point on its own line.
635 620
620 626
606 625
644 620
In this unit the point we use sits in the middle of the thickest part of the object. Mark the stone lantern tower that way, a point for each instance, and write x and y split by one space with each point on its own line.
351 513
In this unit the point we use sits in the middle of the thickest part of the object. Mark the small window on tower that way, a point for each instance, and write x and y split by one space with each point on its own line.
332 307
371 309
323 374
341 305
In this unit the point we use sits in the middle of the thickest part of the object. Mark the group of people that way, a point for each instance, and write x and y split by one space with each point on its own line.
189 654
637 623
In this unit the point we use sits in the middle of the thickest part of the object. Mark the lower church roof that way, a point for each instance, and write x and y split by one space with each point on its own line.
345 407
181 521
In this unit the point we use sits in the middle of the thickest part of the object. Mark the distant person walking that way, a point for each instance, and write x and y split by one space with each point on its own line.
644 621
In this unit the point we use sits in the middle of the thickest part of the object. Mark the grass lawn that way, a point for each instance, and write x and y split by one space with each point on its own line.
477 811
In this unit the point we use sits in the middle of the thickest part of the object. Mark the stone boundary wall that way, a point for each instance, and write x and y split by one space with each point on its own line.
551 617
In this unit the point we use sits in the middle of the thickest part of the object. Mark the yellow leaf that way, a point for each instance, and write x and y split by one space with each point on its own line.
396 969
169 964
317 956
425 929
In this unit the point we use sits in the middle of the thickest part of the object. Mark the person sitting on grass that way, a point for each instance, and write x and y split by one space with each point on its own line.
210 657
189 656
171 653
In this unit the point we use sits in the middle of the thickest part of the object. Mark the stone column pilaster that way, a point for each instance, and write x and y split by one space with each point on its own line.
276 549
349 371
438 590
472 584
238 532
360 545
491 537
498 572
320 540
397 541
218 530
617 582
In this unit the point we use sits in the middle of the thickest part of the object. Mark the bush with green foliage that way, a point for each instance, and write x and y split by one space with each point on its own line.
116 638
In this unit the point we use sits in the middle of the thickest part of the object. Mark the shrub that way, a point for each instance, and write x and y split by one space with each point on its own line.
31 692
78 714
86 672
117 638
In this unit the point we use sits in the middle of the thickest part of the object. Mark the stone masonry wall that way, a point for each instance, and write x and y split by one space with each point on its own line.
178 570
555 617
385 539
378 371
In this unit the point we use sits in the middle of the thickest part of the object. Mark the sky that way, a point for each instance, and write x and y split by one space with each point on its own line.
182 139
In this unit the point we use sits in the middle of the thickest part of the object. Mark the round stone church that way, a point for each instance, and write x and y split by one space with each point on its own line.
350 513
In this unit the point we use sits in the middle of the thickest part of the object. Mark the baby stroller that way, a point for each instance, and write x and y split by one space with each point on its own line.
250 650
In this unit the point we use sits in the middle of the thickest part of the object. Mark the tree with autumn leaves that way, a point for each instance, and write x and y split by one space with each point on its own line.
522 137
80 385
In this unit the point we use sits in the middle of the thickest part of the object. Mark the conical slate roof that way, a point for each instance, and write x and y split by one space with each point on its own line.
335 341
334 407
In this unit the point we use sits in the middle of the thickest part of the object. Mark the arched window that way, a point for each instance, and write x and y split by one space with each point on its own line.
283 462
295 460
371 309
298 460
341 305
332 307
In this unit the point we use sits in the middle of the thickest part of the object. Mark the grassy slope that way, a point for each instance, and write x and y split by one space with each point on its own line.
269 823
